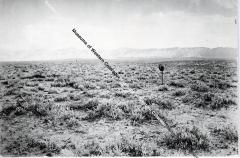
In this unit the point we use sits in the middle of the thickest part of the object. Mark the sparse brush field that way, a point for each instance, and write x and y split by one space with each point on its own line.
79 109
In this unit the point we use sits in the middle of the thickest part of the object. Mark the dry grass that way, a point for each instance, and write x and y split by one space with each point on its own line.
112 112
187 140
227 134
26 145
80 109
161 103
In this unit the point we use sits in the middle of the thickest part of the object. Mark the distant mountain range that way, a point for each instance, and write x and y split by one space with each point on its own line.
122 54
176 53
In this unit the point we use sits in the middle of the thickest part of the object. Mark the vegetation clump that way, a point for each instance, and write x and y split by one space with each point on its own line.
85 106
220 84
214 102
8 108
162 103
187 140
61 99
36 106
179 93
25 145
177 84
199 87
163 88
227 133
142 114
113 112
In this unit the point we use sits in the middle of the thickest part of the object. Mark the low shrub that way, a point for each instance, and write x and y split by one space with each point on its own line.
187 139
91 105
49 79
127 108
52 91
61 99
83 105
177 84
20 111
2 77
199 87
131 147
41 88
226 134
72 122
208 97
220 102
142 114
135 86
91 149
187 99
126 146
32 84
213 102
162 103
36 75
105 111
12 91
89 86
66 82
25 145
89 94
149 101
75 97
137 118
39 108
8 108
192 72
179 93
58 84
115 85
163 88
202 78
122 94
75 85
223 85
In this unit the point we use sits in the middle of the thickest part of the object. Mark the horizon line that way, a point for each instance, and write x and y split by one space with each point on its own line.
120 48
120 59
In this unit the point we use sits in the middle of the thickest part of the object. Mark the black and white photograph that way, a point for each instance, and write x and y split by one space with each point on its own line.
119 78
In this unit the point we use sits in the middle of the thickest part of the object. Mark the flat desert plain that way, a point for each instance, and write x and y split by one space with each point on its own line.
78 108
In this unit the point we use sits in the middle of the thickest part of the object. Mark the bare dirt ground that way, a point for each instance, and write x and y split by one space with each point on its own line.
79 109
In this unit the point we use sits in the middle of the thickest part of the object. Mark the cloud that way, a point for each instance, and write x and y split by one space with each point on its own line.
196 7
110 24
49 5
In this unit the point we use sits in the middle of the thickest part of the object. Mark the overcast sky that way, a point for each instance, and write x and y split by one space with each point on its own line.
35 25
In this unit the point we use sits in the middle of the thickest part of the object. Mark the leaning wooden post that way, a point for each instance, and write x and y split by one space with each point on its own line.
95 53
161 68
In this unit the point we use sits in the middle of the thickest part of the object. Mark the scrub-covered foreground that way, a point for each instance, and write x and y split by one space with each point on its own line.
75 108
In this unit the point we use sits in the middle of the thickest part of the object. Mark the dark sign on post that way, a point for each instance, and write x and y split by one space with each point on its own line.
161 68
